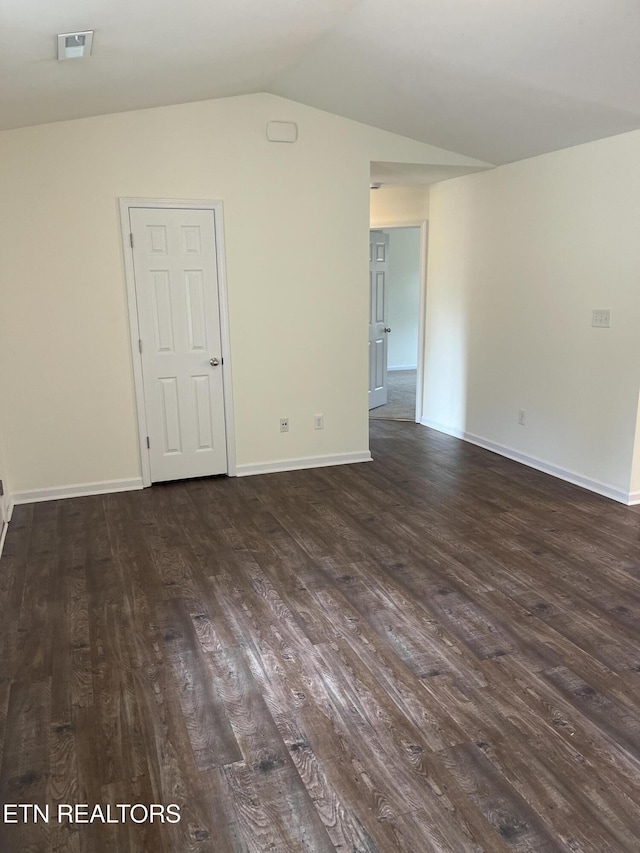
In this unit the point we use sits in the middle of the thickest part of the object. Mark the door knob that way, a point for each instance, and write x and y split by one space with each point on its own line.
214 362
387 329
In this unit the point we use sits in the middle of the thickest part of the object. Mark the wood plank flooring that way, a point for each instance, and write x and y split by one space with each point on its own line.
437 651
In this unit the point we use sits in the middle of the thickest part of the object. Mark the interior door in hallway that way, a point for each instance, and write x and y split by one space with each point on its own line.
4 514
177 295
378 330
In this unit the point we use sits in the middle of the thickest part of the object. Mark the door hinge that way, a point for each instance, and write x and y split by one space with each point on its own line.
1 488
131 239
148 443
140 344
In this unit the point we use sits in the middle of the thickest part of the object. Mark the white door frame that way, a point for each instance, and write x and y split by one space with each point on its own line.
423 225
176 204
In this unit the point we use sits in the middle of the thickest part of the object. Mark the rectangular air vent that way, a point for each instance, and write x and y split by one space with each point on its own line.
75 45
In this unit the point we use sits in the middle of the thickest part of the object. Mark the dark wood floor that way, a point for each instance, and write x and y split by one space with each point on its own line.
434 652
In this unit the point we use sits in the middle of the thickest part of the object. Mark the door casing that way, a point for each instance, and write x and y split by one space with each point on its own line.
176 204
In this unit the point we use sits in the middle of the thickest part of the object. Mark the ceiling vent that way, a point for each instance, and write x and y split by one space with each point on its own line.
75 45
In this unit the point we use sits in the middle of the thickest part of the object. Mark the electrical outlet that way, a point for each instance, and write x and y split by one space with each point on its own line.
318 421
521 417
601 318
284 424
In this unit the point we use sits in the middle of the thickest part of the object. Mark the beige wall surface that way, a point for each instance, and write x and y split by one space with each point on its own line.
395 205
518 259
296 219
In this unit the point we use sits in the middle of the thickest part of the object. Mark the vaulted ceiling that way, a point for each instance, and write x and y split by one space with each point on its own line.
498 80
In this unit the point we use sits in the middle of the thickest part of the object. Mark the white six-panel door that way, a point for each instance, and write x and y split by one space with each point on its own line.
4 515
378 331
176 284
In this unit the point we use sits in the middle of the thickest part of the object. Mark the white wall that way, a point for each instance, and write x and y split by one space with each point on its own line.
403 296
518 258
398 205
296 220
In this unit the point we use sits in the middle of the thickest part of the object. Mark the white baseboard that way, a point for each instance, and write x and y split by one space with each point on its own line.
634 498
300 464
77 491
539 464
402 367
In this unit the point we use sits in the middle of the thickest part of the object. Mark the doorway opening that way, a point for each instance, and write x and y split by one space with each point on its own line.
396 323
